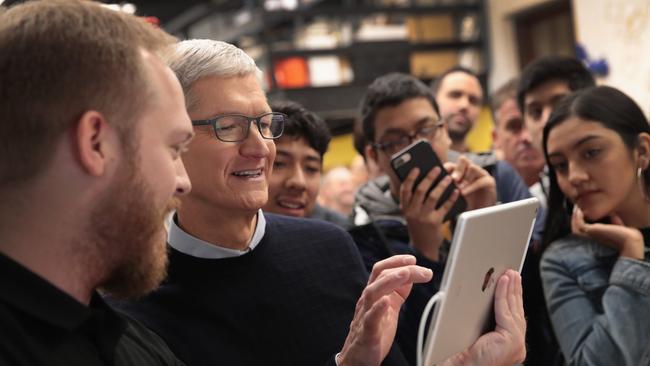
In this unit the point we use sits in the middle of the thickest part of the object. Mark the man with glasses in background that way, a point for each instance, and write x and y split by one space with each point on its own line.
396 110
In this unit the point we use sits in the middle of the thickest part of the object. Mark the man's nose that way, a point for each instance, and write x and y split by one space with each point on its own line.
183 183
254 145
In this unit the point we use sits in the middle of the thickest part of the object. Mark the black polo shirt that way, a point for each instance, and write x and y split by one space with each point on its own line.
41 325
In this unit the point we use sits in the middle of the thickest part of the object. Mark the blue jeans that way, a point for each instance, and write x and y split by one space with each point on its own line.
599 303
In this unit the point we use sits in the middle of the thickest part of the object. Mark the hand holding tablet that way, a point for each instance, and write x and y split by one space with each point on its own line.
506 344
487 243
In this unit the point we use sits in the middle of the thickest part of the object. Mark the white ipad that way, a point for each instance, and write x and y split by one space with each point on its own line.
485 244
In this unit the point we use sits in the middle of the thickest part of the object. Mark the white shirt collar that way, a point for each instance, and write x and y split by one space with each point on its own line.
195 247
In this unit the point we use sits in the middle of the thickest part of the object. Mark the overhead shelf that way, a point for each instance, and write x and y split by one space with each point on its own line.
356 47
363 10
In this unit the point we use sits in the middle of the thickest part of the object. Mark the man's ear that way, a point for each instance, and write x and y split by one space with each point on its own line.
93 140
370 152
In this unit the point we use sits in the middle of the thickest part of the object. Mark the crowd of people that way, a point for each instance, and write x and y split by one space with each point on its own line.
157 209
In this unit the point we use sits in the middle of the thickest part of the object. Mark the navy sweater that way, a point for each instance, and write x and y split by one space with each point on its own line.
288 302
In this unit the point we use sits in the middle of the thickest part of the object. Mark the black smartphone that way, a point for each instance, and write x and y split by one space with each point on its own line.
420 154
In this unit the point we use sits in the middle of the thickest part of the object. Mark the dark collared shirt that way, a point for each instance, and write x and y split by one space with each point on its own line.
41 325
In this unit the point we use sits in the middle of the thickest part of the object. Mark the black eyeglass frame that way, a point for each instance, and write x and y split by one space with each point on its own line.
408 138
213 122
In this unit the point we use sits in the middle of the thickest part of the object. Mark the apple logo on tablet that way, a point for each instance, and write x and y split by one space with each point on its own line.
487 280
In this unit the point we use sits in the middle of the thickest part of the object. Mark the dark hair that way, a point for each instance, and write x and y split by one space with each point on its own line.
501 95
437 82
549 68
60 59
303 123
615 111
388 91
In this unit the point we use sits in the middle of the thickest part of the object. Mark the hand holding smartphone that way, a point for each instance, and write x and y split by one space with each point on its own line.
420 154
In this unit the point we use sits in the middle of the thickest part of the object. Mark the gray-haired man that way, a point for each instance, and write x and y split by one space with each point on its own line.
250 288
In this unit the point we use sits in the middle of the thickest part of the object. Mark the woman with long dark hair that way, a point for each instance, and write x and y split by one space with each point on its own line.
595 268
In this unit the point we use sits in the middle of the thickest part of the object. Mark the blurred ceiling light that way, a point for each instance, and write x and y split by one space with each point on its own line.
128 8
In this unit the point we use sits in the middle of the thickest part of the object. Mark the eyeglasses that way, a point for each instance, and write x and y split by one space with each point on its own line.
235 127
399 141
